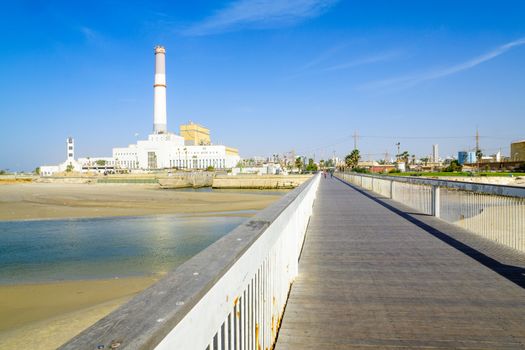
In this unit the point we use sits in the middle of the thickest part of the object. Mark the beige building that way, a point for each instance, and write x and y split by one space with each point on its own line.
230 151
195 135
517 151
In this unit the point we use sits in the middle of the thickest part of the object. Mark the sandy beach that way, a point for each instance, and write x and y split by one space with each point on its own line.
45 315
56 201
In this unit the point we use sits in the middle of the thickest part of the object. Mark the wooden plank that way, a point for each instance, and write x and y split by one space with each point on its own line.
370 278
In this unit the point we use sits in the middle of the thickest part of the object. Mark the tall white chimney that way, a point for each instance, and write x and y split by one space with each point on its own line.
159 89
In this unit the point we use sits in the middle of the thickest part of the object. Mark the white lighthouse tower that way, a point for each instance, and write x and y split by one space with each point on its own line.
70 149
159 88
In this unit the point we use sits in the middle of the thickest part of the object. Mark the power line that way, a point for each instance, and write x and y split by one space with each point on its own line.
434 137
356 136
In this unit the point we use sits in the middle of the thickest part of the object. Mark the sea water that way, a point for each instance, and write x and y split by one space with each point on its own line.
58 250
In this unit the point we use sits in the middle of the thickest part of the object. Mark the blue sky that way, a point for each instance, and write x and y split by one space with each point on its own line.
266 76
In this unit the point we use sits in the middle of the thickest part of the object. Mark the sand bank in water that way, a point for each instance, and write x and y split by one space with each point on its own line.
54 201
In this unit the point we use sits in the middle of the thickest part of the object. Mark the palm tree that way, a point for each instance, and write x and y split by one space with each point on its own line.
352 160
403 157
479 155
299 163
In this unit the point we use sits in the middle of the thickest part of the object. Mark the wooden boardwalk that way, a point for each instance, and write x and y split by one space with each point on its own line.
371 279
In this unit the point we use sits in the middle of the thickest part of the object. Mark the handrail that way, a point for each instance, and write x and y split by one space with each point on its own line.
233 292
501 190
494 212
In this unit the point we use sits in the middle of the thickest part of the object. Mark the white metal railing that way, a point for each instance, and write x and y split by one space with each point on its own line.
494 212
231 296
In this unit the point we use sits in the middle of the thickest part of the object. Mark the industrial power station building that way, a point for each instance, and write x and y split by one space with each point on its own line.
168 150
192 149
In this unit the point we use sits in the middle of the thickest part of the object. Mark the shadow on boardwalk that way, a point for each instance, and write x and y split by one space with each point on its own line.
515 274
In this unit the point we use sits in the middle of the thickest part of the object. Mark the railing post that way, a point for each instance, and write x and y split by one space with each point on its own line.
435 201
391 196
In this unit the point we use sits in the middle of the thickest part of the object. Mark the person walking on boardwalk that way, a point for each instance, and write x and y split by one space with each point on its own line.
331 173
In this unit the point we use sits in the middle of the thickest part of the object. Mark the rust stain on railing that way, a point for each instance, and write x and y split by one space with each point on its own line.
258 344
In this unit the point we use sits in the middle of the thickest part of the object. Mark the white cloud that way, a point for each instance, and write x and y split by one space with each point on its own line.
411 80
88 33
311 67
259 13
382 57
323 56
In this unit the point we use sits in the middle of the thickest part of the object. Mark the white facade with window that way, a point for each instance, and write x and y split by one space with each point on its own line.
168 150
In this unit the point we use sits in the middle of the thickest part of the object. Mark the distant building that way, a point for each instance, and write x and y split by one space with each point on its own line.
517 151
69 165
265 169
381 168
169 150
435 154
195 135
98 164
366 163
466 157
493 158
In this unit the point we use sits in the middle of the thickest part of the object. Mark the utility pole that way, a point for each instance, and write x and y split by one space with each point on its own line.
477 141
477 148
356 136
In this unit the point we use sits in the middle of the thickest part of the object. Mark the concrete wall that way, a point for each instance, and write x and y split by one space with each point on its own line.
260 181
66 179
175 180
182 180
12 179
